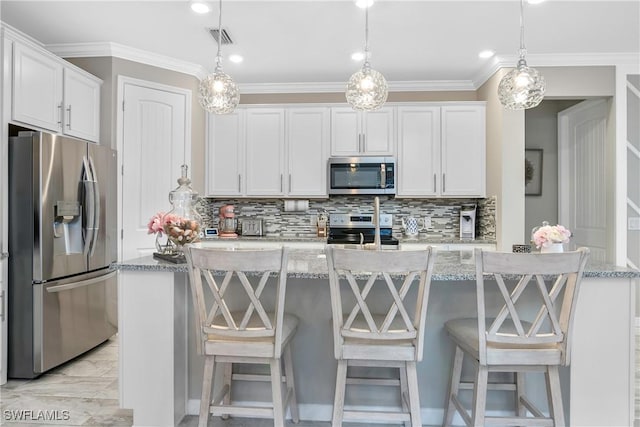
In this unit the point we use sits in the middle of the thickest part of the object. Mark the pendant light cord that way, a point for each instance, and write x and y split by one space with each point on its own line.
219 55
366 36
523 49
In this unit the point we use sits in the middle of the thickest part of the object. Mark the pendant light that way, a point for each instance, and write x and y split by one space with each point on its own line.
367 89
523 87
218 92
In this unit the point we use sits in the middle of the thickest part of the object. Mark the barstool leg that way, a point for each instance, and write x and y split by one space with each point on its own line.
338 402
404 393
480 396
414 396
291 385
554 394
276 391
205 399
520 392
454 386
227 376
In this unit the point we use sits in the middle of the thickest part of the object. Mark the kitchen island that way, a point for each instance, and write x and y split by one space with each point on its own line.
160 371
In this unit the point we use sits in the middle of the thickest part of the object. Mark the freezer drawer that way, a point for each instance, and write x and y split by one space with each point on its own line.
75 317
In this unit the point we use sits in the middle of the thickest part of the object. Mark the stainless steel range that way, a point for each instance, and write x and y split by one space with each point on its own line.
358 229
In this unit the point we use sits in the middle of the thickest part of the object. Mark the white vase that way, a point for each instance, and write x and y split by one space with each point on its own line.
553 248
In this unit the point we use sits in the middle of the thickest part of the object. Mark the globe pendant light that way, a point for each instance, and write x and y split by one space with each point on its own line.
523 87
367 89
218 92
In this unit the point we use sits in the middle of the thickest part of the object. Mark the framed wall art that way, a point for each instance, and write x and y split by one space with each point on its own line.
533 172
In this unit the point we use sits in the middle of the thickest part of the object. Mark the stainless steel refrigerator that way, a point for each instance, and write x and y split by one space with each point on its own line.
62 238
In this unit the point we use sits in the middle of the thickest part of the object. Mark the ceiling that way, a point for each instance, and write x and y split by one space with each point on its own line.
300 41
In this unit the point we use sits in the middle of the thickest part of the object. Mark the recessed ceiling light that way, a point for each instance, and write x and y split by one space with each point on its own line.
199 6
364 3
486 54
357 56
236 58
535 1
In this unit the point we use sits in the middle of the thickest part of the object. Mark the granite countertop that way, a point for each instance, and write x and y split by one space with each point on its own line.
311 264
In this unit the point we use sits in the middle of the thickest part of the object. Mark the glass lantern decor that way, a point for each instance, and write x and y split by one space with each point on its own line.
182 222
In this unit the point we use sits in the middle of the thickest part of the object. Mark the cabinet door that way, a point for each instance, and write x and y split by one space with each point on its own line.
265 152
418 151
307 149
82 105
225 155
378 128
463 151
37 88
346 138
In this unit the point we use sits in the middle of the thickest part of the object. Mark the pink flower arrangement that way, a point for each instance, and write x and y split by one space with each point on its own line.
158 222
547 235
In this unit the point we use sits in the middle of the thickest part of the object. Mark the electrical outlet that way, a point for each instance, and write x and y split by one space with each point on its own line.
427 223
634 223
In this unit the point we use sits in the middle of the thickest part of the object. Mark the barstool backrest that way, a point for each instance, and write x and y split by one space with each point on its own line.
396 272
244 316
538 309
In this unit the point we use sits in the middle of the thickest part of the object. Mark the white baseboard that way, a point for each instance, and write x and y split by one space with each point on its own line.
319 412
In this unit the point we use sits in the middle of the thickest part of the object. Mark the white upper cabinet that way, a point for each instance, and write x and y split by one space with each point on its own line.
307 151
225 154
265 137
268 152
82 105
441 151
54 95
463 151
362 133
37 88
418 151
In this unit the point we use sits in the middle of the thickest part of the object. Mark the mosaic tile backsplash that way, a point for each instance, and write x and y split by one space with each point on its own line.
444 213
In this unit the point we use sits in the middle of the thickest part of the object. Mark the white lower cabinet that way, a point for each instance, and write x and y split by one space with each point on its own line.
52 94
268 152
441 151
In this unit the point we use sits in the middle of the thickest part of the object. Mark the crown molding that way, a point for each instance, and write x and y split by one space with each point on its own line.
198 71
80 50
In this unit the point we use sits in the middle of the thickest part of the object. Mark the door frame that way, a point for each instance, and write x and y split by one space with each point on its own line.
122 82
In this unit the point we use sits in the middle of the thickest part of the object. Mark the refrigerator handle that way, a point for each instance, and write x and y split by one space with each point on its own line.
88 209
96 206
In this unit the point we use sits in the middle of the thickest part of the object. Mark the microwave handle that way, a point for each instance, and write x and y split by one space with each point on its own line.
383 175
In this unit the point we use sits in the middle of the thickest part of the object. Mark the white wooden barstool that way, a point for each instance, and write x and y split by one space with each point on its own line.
528 334
391 337
233 326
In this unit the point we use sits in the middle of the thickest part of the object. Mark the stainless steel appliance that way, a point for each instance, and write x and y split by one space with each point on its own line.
362 175
468 222
62 238
359 229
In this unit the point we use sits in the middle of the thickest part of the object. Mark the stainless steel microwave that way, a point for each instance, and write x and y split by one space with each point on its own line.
362 175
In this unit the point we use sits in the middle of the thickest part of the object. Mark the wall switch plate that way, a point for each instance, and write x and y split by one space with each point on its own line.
634 223
427 223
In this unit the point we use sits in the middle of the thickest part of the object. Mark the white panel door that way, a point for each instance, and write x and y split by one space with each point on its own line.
418 151
584 177
82 105
37 88
463 151
265 151
378 132
308 151
155 143
225 154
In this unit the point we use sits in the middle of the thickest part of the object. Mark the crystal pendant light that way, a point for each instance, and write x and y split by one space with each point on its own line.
523 87
367 89
218 92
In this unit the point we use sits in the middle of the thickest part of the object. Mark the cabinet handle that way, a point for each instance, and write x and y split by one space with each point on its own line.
2 306
434 182
60 114
443 185
239 183
364 143
289 182
69 115
281 183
